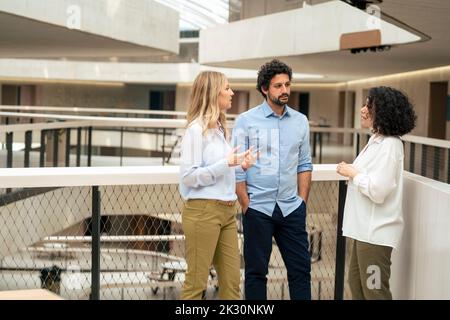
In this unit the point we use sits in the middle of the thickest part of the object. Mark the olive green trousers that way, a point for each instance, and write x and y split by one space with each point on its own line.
211 239
369 271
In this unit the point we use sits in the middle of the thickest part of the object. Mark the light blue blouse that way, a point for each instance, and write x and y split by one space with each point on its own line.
204 169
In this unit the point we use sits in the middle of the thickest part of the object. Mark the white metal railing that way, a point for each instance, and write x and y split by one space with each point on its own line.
436 165
102 176
42 126
101 110
124 194
97 121
100 121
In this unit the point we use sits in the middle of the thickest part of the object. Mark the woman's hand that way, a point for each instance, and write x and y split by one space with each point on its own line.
246 159
249 159
346 170
234 158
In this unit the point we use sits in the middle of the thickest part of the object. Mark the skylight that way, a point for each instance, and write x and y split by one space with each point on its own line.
199 14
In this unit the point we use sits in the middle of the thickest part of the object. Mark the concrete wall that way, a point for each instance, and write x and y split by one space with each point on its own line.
98 96
145 23
33 70
129 96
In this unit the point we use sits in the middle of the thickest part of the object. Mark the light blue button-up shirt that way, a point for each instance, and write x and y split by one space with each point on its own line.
283 143
204 169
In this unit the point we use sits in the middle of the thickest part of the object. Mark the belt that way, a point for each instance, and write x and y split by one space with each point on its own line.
227 203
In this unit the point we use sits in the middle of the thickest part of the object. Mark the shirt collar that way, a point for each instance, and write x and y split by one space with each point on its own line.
377 138
268 110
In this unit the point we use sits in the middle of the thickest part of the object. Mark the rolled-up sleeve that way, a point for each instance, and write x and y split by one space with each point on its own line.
240 138
193 174
304 155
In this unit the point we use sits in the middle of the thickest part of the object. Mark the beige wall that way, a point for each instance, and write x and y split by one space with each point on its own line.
323 105
322 98
135 97
448 130
182 97
183 93
415 84
255 97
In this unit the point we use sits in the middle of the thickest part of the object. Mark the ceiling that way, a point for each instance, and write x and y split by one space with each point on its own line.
431 17
27 38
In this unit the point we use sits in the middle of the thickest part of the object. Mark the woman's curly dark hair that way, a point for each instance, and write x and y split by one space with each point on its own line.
391 111
270 70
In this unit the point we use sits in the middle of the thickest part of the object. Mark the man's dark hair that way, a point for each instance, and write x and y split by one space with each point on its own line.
270 70
391 111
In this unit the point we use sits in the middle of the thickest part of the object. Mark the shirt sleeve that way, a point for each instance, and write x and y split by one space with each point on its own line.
304 154
193 173
379 183
240 137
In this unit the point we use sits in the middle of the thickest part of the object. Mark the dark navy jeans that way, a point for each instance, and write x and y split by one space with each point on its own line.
292 240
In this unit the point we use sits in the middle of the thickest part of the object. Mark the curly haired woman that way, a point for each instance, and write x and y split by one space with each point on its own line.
373 209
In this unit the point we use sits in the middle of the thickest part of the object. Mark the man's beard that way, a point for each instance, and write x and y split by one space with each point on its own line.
277 100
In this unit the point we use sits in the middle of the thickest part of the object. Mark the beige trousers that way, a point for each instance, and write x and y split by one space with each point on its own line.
211 239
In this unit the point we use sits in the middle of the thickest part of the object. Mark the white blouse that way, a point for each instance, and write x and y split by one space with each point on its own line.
204 169
373 207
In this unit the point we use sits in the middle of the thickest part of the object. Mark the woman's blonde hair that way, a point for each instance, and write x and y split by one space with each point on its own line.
204 100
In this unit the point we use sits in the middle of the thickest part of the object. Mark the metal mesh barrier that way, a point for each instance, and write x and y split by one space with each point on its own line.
28 259
428 161
46 237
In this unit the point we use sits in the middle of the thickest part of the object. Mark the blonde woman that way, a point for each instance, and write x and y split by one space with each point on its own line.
208 187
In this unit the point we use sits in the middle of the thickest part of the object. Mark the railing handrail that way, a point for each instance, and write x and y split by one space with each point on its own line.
101 176
102 110
408 137
23 127
104 250
427 141
121 238
96 121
